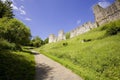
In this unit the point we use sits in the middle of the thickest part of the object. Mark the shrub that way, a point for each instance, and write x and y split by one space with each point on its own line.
110 24
112 30
86 40
65 44
67 35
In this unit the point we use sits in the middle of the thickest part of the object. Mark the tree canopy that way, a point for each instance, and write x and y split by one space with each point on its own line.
37 42
6 9
14 31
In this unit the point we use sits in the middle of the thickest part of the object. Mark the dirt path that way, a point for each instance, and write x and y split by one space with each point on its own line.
47 69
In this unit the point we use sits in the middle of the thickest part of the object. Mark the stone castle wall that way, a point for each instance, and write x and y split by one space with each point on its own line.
82 29
61 35
53 38
102 15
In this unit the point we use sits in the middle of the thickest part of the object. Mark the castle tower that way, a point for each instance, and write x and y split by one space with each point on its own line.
61 35
99 14
52 38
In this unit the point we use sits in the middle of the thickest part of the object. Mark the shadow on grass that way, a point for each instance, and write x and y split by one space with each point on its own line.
42 72
30 52
15 67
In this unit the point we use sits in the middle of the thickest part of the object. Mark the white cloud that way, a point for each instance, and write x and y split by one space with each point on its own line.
104 3
28 19
22 7
21 10
78 22
14 7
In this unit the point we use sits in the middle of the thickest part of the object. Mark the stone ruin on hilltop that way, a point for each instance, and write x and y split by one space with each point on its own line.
102 16
53 38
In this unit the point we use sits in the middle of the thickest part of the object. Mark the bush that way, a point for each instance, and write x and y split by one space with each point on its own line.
67 35
110 24
65 44
112 30
86 40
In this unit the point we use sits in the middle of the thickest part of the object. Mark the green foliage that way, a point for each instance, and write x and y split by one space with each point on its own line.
16 65
36 42
86 40
65 44
6 9
46 40
111 28
4 44
67 35
14 31
97 59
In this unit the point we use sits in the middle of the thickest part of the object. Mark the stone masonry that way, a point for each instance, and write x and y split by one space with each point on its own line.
61 35
102 16
82 29
53 38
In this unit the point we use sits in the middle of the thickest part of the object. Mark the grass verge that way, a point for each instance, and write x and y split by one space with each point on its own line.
16 65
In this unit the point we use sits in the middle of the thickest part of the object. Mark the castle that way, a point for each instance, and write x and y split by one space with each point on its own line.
53 38
102 16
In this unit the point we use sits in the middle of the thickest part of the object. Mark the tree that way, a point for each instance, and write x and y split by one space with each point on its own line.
14 31
6 9
67 35
36 42
46 41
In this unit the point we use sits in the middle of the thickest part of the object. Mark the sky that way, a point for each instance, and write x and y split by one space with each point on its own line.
45 17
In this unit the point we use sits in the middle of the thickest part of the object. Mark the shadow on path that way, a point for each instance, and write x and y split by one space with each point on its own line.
42 72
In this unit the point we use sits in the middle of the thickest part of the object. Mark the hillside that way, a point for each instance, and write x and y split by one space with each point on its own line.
94 55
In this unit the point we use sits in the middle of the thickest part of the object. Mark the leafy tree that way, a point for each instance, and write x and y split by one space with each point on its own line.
46 41
37 42
14 31
68 35
4 44
6 9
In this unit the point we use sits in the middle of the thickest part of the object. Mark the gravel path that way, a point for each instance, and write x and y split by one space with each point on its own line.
47 69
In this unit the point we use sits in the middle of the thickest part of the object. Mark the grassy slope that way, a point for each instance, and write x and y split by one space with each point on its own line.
98 59
16 66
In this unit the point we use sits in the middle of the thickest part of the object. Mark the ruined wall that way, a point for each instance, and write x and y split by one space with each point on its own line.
104 15
82 29
61 35
52 38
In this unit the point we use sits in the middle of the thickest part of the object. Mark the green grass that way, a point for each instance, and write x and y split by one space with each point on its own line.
16 65
97 59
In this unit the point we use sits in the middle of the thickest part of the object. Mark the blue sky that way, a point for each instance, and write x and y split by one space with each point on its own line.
46 17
